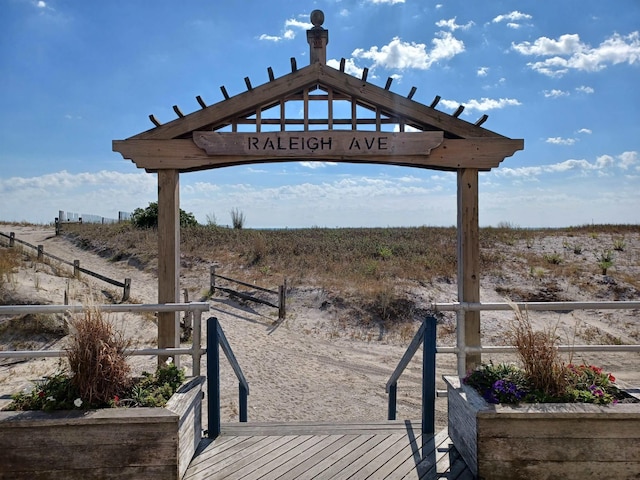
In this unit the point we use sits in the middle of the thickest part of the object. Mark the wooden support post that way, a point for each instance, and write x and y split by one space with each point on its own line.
212 280
40 252
168 259
468 264
76 269
127 289
12 239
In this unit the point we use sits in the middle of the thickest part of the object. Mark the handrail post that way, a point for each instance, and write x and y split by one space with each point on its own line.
429 377
393 395
213 377
196 342
243 403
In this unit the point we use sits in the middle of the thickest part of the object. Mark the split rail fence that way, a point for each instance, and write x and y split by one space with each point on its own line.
77 269
281 293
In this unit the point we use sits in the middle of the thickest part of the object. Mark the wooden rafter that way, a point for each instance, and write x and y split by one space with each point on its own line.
295 84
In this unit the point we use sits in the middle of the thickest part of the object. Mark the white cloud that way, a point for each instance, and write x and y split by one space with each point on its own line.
314 165
41 4
569 53
627 159
289 32
391 2
401 55
561 141
349 66
452 25
555 93
292 22
482 105
602 163
584 89
482 71
514 16
270 38
585 131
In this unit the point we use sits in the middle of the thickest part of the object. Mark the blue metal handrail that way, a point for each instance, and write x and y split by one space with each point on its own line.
426 335
216 339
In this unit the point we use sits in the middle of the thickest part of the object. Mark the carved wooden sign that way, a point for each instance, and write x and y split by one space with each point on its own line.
321 143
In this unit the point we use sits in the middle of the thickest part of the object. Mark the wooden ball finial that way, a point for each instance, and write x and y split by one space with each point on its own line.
317 18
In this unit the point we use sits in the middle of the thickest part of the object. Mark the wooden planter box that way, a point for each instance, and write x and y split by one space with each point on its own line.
136 443
543 441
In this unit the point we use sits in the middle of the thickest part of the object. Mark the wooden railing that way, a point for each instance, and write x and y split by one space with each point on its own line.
281 293
216 339
77 269
426 336
195 351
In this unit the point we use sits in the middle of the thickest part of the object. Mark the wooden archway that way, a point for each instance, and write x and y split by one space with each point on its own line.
381 127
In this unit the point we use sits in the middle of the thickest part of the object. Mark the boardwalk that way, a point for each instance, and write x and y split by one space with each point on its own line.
382 450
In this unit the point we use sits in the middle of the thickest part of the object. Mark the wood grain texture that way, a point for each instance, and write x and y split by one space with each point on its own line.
107 443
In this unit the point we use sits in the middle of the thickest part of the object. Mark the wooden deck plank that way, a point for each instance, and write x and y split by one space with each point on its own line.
346 461
250 467
332 444
319 469
316 450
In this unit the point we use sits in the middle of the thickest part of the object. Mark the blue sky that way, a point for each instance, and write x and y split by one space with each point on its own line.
561 75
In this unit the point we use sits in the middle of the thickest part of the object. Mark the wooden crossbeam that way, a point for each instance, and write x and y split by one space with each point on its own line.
365 73
247 82
201 102
224 92
412 93
388 84
178 112
154 121
458 111
294 65
342 63
435 102
270 73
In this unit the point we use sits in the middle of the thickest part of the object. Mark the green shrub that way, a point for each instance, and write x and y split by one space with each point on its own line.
148 217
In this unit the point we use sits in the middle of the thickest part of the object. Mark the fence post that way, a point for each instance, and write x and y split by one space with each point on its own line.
213 377
40 253
197 343
76 268
57 223
282 300
12 239
212 280
429 377
188 316
127 289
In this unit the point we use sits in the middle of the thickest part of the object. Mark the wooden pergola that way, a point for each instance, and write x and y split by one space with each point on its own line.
363 123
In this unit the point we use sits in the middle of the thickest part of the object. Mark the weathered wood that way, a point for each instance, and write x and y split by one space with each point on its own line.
540 441
168 259
388 450
468 244
332 143
106 443
184 155
310 76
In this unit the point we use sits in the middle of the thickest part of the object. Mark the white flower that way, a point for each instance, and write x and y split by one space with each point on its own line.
169 361
77 402
50 399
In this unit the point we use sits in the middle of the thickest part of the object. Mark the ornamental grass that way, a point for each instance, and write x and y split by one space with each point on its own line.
542 377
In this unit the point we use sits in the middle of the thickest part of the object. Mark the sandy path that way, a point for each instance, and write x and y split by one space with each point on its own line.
309 367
